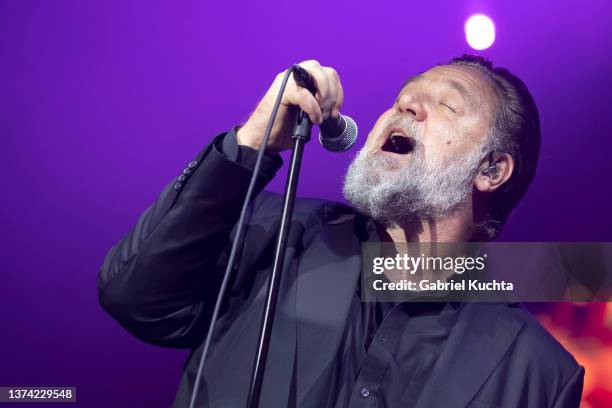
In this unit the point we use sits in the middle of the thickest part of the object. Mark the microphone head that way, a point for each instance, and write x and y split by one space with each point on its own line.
346 136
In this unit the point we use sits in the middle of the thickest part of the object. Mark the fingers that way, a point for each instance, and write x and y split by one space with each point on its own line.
338 91
330 94
307 102
324 87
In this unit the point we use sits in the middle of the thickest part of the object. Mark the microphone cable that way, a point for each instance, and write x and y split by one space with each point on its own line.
239 232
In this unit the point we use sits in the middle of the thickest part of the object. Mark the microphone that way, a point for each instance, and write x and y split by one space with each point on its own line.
335 134
338 134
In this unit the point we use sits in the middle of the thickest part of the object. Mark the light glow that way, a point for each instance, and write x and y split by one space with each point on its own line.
479 31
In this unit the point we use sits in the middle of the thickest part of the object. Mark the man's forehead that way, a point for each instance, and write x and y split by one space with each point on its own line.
448 73
467 81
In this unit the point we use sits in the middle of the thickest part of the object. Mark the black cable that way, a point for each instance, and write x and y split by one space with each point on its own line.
238 237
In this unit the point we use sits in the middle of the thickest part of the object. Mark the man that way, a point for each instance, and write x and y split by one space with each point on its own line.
447 162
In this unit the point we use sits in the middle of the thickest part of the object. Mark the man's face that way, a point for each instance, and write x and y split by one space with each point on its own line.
421 155
451 108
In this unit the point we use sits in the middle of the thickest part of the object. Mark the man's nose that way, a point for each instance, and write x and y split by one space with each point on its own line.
413 103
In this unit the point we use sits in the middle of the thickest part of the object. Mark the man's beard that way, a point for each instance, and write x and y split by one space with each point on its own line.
416 190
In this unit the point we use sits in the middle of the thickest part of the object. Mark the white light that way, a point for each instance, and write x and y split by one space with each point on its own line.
479 31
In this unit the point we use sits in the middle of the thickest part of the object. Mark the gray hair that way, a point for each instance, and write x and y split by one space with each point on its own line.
515 129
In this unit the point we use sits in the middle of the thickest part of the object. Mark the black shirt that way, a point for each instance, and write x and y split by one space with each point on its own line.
389 349
401 343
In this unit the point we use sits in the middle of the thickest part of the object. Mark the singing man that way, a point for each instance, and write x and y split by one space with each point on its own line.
446 162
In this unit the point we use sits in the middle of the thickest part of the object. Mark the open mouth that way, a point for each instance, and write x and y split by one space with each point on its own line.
399 143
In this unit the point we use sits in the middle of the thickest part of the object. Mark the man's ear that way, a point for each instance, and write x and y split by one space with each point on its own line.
494 173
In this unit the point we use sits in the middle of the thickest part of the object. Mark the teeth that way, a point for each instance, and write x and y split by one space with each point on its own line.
398 143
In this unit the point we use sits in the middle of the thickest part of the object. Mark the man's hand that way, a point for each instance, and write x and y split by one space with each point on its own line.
327 102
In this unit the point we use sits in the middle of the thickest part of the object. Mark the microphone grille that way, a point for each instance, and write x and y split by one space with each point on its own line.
345 141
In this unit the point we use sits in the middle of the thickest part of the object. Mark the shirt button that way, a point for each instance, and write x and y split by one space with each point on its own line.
192 164
365 392
182 178
187 171
177 185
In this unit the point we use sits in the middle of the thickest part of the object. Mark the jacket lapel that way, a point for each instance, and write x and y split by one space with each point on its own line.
482 336
326 284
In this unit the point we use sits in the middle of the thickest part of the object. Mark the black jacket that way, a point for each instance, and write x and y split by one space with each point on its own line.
160 283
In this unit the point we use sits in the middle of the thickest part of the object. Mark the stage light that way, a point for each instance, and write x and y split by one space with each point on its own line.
479 31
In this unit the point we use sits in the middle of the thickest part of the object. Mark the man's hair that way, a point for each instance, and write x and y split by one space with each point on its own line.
515 129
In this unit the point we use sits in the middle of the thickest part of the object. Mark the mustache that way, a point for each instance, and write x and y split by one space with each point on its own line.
406 123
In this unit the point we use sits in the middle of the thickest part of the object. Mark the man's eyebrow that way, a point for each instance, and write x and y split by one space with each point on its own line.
463 91
456 85
412 79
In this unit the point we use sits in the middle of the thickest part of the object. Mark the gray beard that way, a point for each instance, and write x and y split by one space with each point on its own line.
414 191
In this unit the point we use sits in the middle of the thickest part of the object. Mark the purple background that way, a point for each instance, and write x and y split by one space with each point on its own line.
102 103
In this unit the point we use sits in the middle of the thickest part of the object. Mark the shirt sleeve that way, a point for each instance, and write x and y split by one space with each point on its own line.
161 280
246 156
